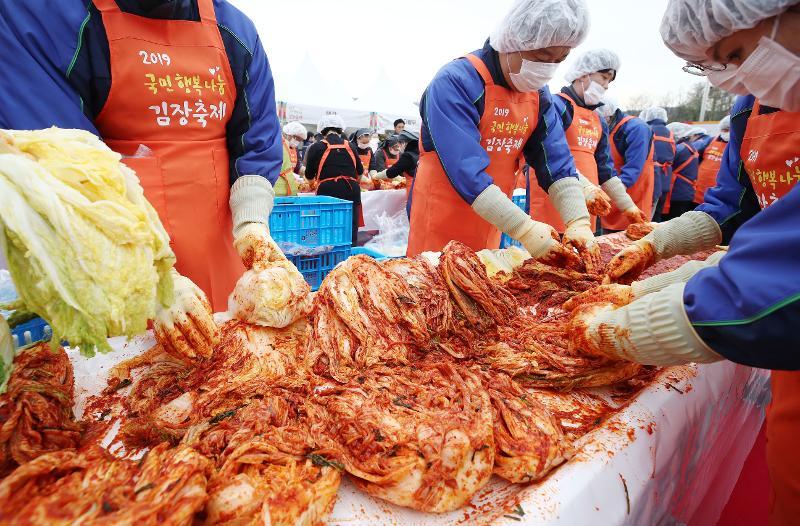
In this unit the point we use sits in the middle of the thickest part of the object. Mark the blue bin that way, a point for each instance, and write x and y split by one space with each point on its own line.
315 268
506 241
30 332
369 252
312 221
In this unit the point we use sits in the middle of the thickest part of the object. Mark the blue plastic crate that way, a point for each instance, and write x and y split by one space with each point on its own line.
30 332
505 240
315 268
312 221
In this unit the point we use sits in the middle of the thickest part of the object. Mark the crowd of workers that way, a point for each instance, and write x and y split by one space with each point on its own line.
190 80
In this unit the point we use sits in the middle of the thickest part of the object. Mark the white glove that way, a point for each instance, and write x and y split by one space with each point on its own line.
365 179
251 201
692 232
680 275
567 197
186 329
256 247
597 202
380 175
656 331
635 216
539 239
372 174
618 194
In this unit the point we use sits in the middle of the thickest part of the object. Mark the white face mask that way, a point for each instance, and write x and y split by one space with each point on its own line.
363 146
771 73
294 143
593 94
532 76
725 136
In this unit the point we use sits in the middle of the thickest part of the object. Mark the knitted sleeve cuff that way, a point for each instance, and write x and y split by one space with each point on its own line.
251 201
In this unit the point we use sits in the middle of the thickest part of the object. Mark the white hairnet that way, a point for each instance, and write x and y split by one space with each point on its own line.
537 24
654 113
609 107
295 128
725 123
697 130
330 121
690 27
679 130
592 61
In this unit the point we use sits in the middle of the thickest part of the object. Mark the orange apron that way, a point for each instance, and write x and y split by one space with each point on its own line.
642 190
771 142
664 166
709 167
676 174
357 208
365 160
290 170
438 213
583 135
172 90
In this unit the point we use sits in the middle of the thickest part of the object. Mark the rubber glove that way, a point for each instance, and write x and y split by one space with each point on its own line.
539 239
567 197
653 330
365 179
186 329
690 233
597 201
380 175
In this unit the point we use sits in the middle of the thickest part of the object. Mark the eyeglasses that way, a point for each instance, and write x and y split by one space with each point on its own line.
702 70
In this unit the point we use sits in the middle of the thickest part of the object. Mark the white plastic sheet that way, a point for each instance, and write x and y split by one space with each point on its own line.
671 456
377 202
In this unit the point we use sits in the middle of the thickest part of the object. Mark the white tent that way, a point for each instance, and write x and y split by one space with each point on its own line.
308 97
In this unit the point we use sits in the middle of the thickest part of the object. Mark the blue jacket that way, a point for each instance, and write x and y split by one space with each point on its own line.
57 73
451 109
701 143
664 154
748 308
602 155
683 191
732 201
633 141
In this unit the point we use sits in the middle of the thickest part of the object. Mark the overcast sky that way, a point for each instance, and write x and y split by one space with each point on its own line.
349 41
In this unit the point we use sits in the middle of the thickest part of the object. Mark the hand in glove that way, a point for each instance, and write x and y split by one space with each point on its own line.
619 295
630 262
579 236
186 329
381 175
597 201
255 246
365 179
634 215
542 242
653 330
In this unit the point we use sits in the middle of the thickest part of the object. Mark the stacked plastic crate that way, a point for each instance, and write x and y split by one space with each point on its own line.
315 233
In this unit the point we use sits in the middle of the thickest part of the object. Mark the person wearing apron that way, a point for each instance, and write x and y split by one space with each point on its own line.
336 169
479 114
631 142
162 85
746 310
684 176
406 164
360 144
589 78
664 150
711 160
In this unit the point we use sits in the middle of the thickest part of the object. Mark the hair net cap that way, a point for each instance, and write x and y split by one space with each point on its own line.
697 130
330 121
679 130
690 27
592 61
361 132
295 128
609 107
654 113
725 123
537 24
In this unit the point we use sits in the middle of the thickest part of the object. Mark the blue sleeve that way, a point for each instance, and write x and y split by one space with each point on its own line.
452 122
637 137
731 201
256 146
36 52
747 308
701 144
547 150
602 155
